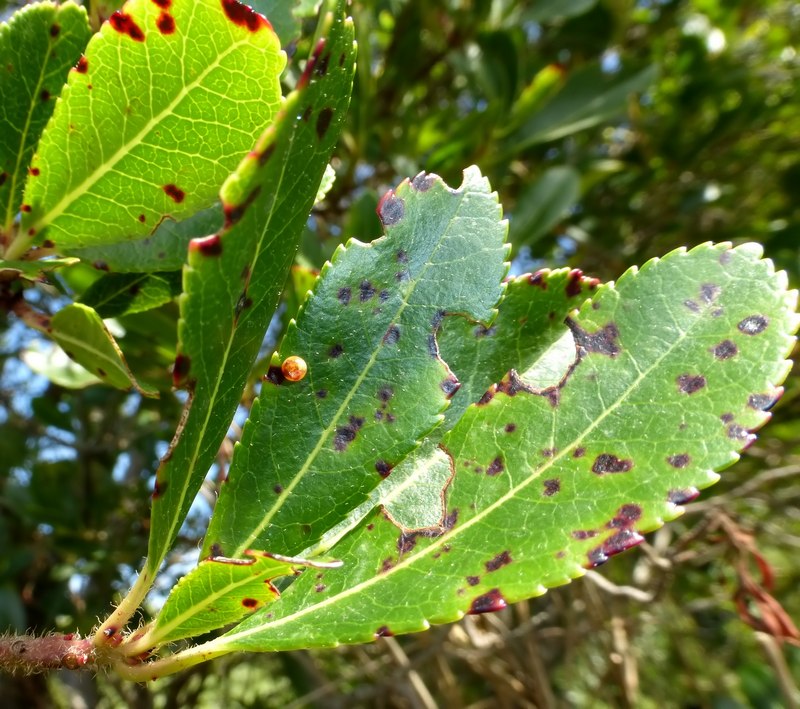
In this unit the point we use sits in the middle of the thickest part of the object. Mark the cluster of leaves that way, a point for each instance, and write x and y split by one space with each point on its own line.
441 399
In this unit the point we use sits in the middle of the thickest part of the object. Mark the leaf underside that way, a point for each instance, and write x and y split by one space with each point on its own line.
672 369
153 118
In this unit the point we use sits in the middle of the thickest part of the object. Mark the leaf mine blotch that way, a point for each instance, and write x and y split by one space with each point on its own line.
175 193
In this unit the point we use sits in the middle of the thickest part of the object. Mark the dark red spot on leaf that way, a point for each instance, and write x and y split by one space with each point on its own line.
450 385
737 432
510 427
180 370
537 279
391 209
34 171
244 16
234 212
158 489
573 287
625 517
681 460
125 24
579 453
141 218
25 208
694 307
581 534
163 4
490 602
551 487
725 350
753 325
82 66
277 489
3 178
501 560
495 467
385 394
44 95
344 295
175 193
321 393
324 122
486 398
165 23
207 245
622 540
55 29
682 497
402 257
383 468
512 384
249 602
335 351
726 418
608 463
690 383
101 265
383 632
473 580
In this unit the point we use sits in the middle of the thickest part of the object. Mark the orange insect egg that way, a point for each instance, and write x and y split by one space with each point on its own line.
294 368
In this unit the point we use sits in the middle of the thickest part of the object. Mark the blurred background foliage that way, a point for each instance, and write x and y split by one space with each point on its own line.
614 131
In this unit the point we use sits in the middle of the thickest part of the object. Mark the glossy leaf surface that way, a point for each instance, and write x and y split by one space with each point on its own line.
124 293
233 278
314 449
37 48
673 368
162 107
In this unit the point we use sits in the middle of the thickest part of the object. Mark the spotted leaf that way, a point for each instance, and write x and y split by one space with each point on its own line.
314 449
647 413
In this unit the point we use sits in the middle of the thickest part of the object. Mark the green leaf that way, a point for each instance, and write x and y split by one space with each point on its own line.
234 278
588 98
165 250
543 204
165 104
552 10
37 48
312 450
82 334
117 294
33 270
220 591
673 368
